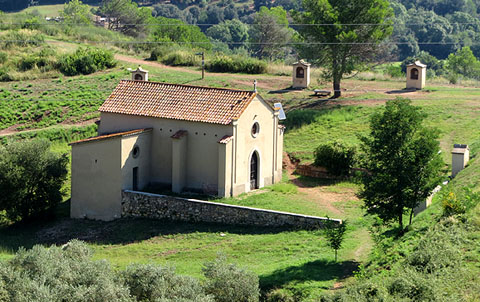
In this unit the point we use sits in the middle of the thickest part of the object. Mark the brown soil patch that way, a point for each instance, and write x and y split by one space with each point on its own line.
318 195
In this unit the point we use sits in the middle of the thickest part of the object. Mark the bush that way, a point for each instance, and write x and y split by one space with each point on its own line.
3 57
395 71
337 157
4 74
86 61
57 274
154 283
181 58
22 38
280 295
451 205
229 283
31 178
223 63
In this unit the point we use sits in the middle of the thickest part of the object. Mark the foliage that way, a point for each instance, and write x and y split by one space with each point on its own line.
125 16
402 160
86 60
337 157
233 32
229 283
451 205
190 36
433 64
345 46
335 233
148 282
234 63
60 274
75 12
31 177
270 33
285 188
279 295
464 62
21 38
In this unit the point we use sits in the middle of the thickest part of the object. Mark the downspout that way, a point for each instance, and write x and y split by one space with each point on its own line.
275 115
234 157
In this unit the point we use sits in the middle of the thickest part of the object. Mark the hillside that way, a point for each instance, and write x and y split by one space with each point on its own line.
439 253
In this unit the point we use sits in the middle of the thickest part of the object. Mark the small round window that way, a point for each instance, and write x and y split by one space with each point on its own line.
255 129
135 152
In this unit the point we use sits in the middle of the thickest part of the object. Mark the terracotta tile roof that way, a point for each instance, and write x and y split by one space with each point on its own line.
225 139
180 134
111 135
180 102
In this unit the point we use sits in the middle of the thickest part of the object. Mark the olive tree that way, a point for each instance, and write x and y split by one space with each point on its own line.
31 179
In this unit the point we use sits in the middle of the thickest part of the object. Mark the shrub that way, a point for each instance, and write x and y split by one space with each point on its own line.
31 177
229 283
395 71
86 61
181 58
223 63
22 38
4 74
60 274
337 157
155 283
451 205
280 295
3 57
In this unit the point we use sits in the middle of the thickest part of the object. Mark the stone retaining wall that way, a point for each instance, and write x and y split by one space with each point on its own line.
140 204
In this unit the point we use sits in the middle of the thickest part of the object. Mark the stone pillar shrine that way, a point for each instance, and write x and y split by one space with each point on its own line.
416 75
301 74
139 74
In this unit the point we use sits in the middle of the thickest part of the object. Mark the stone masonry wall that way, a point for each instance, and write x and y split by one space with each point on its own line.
140 204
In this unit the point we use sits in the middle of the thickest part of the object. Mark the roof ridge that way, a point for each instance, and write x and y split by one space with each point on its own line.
192 86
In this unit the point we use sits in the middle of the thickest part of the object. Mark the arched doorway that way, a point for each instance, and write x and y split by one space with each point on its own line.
300 72
254 171
414 74
138 77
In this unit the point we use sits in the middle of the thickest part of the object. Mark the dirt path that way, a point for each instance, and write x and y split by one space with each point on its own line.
318 195
12 130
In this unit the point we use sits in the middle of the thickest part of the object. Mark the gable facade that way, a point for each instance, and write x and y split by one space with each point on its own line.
201 142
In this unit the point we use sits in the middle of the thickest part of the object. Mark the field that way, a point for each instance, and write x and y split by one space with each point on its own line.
63 109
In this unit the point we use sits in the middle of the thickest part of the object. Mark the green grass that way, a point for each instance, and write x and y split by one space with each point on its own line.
46 10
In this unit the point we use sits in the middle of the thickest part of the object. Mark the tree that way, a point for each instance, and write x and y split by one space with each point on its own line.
180 33
335 233
464 62
269 32
230 31
353 38
125 16
31 179
75 12
402 160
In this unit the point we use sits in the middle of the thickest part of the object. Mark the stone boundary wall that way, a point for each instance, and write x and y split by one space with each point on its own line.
141 204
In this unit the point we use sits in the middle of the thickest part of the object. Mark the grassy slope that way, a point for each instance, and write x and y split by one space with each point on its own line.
298 260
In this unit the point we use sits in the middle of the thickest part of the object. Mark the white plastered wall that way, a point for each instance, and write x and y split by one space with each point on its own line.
202 152
96 179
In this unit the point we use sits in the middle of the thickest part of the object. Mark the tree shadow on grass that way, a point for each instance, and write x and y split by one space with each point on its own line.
318 270
121 231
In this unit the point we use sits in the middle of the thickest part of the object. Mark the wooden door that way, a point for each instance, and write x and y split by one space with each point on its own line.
254 171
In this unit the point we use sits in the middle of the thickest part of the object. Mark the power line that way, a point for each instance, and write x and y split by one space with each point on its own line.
236 43
212 24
